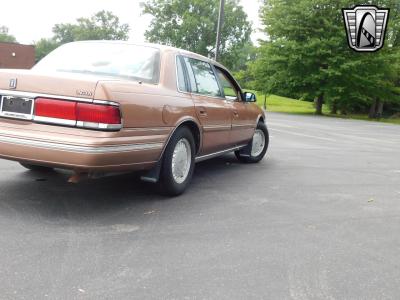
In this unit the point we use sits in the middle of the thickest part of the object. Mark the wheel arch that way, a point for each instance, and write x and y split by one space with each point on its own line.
195 129
261 119
193 126
153 175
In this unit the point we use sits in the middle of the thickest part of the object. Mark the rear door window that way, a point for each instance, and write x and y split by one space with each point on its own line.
202 78
182 84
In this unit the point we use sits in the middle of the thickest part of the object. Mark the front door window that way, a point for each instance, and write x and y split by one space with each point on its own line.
230 91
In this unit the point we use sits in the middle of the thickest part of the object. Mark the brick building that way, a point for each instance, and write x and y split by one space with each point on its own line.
16 56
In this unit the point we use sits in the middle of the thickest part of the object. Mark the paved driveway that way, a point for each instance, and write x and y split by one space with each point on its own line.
318 219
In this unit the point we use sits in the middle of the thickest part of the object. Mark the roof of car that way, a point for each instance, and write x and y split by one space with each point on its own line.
158 46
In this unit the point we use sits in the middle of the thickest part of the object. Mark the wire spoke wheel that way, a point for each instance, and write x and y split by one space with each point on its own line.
258 143
178 163
181 160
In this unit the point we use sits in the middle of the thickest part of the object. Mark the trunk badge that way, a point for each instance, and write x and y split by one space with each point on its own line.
13 83
84 93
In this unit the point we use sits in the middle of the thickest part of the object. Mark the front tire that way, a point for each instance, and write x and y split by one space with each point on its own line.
178 163
258 145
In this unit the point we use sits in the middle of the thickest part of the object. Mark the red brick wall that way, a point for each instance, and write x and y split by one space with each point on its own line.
16 56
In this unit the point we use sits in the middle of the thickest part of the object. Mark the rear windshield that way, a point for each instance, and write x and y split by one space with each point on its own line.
109 59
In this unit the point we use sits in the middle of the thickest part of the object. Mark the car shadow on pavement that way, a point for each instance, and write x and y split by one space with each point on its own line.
49 196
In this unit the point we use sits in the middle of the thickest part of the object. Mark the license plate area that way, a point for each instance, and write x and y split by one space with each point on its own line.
16 107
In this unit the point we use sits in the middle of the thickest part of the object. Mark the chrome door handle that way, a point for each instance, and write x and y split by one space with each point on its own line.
235 114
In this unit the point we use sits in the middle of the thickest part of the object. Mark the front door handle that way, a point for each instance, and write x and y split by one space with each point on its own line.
235 114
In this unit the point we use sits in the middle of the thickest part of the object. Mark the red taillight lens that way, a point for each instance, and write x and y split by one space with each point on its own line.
57 109
98 113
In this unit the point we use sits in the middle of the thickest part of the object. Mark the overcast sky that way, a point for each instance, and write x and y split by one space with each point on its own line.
31 20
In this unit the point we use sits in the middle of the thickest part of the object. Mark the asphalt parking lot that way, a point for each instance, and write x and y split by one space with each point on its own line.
318 219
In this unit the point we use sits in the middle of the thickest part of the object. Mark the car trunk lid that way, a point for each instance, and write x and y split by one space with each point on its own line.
58 84
65 99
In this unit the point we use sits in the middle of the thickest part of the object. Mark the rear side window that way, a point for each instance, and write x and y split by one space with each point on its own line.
182 85
192 79
202 78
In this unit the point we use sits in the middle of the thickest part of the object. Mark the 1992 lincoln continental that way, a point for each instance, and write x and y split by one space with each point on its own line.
102 107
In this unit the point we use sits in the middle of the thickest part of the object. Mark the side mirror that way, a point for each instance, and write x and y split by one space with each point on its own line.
249 97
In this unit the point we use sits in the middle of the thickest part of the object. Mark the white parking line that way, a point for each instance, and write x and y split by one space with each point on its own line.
305 135
340 136
280 125
355 137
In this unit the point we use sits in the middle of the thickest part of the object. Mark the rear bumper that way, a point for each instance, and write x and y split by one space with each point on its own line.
82 150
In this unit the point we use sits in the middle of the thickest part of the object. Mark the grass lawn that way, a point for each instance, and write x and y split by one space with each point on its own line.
287 105
293 106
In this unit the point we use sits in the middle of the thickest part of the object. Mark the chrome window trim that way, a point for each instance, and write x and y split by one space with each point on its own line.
80 149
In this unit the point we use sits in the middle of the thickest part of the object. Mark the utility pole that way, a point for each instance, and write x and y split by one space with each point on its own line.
219 28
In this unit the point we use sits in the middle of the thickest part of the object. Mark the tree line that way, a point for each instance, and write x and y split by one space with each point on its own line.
305 55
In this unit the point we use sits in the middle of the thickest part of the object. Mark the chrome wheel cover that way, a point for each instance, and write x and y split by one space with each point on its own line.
181 160
258 143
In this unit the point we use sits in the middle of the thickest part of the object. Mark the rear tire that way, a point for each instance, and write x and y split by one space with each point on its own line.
178 163
36 168
259 145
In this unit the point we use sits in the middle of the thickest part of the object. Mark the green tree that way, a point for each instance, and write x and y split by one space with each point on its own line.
192 25
5 36
307 56
242 69
104 25
44 47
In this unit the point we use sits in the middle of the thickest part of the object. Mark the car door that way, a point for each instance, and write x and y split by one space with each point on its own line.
213 112
244 114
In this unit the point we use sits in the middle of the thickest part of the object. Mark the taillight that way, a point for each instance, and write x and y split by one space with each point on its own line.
87 115
57 109
98 113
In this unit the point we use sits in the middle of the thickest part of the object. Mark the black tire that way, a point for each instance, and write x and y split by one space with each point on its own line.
36 168
244 157
167 183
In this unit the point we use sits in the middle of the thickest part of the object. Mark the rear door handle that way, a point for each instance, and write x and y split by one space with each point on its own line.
235 114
